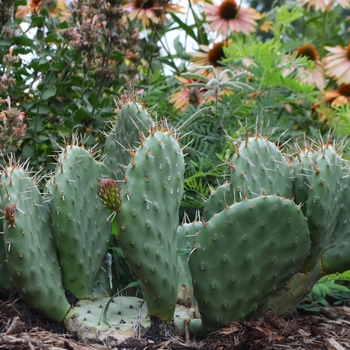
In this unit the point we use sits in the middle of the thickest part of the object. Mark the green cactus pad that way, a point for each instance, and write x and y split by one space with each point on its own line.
217 201
124 137
5 281
186 234
31 254
336 257
148 219
245 253
81 230
259 168
125 317
322 206
301 171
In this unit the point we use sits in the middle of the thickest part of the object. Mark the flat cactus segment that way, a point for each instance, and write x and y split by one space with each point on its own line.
245 253
301 171
31 255
322 206
336 257
186 235
81 230
124 318
217 201
259 168
148 219
5 281
124 137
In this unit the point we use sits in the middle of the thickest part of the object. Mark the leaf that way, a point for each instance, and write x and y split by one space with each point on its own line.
38 21
53 38
5 42
178 46
63 25
49 93
117 56
188 30
23 40
81 114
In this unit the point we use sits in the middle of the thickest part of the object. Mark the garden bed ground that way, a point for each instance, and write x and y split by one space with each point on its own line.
21 329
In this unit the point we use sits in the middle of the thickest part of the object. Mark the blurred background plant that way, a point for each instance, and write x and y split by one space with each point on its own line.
329 290
213 68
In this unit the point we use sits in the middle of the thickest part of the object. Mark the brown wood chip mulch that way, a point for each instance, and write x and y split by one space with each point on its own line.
20 329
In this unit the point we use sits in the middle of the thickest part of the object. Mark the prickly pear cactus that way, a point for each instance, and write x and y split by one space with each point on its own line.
322 206
124 137
148 219
217 201
244 254
81 230
5 281
336 257
301 171
186 235
31 254
259 168
116 319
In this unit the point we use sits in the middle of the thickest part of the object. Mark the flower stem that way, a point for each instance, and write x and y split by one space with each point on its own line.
324 31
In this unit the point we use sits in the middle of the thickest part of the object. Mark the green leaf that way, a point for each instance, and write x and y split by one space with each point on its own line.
81 114
117 56
23 40
5 42
188 30
63 25
49 93
53 38
38 21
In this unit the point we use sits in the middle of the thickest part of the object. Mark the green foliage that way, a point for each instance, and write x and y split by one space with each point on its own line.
343 276
326 292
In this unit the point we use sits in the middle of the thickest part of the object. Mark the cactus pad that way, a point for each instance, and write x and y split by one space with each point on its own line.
245 253
81 230
31 255
124 137
259 168
148 219
322 206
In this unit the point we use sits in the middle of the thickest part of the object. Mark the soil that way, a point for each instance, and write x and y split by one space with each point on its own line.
22 329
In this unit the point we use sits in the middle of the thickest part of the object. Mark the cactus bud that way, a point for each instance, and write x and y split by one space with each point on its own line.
9 214
109 193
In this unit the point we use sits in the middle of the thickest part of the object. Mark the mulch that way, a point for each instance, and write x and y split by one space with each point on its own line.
22 329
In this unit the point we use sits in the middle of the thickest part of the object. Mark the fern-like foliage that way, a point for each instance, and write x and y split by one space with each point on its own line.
344 276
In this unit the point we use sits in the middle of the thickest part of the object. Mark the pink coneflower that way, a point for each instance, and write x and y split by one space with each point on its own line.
344 3
338 97
187 95
337 63
209 55
304 74
324 5
59 10
149 10
228 18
